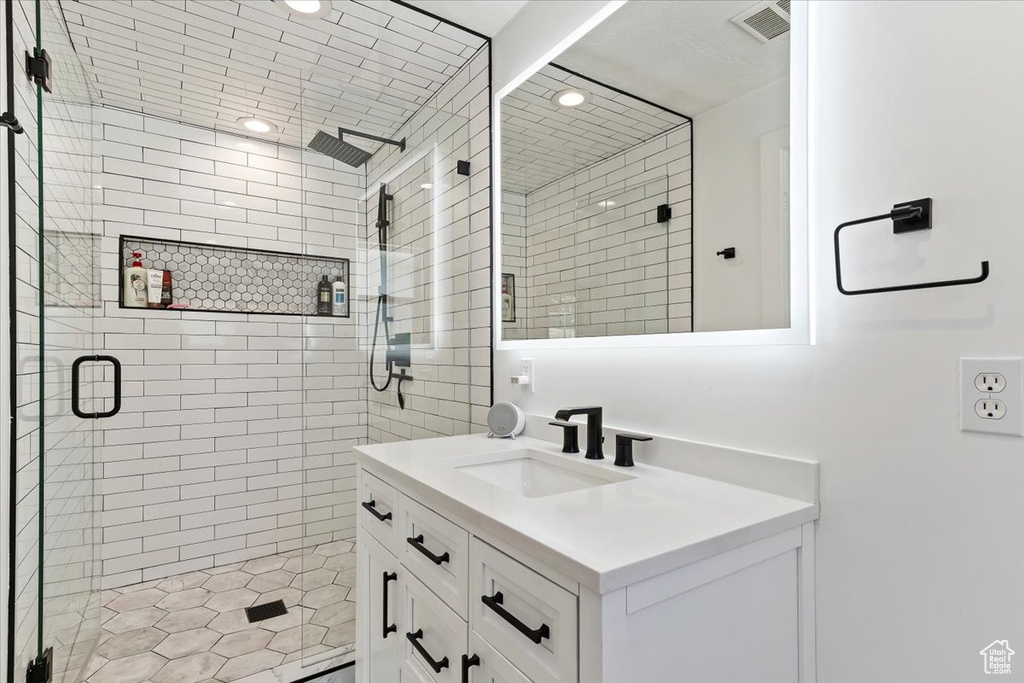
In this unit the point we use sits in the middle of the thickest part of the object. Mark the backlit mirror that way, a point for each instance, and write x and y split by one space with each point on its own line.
645 178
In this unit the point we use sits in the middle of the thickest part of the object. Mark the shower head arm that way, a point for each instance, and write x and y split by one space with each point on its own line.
400 144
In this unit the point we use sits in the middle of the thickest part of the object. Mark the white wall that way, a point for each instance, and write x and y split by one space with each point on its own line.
921 536
225 448
727 201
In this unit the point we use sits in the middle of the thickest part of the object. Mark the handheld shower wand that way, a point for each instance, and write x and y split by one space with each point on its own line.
392 356
382 297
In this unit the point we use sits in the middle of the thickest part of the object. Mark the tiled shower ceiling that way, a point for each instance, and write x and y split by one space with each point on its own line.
542 142
366 65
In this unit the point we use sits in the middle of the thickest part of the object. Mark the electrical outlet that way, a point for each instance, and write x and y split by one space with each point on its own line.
982 380
526 368
990 409
990 382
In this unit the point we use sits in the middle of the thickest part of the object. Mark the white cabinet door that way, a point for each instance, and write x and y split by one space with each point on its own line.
485 665
530 620
434 638
378 510
380 612
437 551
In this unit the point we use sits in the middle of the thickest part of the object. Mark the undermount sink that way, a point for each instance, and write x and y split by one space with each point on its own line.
535 474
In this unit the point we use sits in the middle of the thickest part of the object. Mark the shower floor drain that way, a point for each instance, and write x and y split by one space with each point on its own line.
267 610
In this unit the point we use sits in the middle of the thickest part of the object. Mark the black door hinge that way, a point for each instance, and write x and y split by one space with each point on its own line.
9 120
39 69
41 670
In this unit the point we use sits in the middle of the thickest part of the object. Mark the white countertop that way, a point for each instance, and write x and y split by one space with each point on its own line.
605 537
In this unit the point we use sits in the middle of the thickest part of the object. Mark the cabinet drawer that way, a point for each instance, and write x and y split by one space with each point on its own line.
486 665
437 551
434 637
378 510
527 618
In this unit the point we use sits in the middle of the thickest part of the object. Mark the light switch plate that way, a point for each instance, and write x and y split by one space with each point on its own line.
992 395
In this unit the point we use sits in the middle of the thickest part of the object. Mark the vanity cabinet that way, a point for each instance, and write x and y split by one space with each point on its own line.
440 600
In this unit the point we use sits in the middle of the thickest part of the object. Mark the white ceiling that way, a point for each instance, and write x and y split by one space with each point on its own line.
483 16
684 55
367 65
542 142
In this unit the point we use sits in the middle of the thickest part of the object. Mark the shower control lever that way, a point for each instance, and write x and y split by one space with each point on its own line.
401 377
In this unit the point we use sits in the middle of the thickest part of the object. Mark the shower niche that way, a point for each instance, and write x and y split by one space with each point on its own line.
220 279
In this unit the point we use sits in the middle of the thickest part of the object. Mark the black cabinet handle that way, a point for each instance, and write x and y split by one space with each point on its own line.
467 662
414 638
417 543
388 628
371 507
75 380
495 602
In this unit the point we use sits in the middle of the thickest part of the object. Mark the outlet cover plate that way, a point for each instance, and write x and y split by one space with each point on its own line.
1012 370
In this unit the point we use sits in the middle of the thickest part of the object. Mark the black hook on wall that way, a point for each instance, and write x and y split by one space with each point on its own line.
906 217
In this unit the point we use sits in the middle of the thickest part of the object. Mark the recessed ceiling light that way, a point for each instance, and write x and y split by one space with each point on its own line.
426 186
570 98
257 125
305 9
230 203
606 204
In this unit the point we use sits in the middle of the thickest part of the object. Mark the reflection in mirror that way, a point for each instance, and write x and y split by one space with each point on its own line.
645 182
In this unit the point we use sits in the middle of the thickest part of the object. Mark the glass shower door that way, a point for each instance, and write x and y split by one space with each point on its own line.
59 374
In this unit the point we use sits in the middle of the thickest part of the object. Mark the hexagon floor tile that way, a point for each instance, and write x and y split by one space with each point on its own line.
191 628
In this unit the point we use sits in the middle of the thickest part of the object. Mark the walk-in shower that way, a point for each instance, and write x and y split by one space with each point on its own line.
226 481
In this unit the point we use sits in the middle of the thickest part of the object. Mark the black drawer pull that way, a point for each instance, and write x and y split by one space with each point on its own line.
388 628
372 509
467 662
417 543
414 638
534 634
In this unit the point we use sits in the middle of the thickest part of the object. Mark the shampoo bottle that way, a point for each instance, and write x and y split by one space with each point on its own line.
339 298
154 286
135 288
323 296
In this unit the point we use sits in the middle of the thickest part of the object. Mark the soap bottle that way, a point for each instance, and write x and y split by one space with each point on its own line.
323 296
134 291
166 298
339 298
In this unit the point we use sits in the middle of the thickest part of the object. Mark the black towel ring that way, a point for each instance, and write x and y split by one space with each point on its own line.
906 217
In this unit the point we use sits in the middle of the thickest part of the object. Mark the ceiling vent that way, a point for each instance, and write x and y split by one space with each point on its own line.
765 20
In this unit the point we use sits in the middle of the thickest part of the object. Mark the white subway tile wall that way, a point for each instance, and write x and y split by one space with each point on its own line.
222 438
441 271
589 256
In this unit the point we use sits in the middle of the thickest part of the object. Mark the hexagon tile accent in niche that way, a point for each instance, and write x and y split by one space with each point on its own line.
216 278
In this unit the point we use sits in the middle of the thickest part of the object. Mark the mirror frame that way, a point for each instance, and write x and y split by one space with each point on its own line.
801 330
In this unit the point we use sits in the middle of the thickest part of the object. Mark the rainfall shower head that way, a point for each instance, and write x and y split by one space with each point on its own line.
339 149
342 151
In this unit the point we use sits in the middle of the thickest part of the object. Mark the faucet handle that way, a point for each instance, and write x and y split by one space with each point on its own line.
570 436
624 448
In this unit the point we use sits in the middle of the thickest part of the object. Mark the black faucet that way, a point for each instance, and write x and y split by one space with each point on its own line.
594 437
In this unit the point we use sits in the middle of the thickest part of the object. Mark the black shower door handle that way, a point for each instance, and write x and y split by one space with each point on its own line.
75 382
